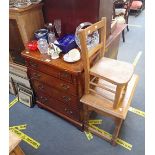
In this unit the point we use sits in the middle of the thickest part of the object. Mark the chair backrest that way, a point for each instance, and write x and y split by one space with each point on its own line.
98 50
122 4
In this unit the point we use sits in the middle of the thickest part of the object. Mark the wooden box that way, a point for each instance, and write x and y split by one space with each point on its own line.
22 25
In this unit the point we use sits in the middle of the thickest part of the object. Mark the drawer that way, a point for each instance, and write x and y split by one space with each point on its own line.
58 106
53 82
55 93
49 70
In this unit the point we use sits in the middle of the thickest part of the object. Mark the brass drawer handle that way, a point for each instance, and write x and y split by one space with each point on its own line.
64 86
71 112
68 111
64 75
44 99
41 87
35 76
66 98
32 64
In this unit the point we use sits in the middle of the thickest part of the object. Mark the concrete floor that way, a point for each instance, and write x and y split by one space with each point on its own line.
58 137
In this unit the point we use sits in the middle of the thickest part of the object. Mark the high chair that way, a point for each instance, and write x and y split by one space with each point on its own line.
109 83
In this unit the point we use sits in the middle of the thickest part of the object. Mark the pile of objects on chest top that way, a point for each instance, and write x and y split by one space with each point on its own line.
50 41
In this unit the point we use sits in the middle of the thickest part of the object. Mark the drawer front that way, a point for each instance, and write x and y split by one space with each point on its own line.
55 93
49 70
58 106
53 82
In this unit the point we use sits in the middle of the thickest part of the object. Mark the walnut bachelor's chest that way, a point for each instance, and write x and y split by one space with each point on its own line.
58 86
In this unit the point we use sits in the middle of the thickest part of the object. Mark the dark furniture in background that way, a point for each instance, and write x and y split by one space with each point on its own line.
121 9
74 12
137 7
15 43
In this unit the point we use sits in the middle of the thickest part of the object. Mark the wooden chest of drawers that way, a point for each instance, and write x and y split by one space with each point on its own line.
57 85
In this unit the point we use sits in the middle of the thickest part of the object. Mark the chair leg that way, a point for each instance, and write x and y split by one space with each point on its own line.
118 95
125 88
123 36
127 18
86 117
138 12
127 28
118 124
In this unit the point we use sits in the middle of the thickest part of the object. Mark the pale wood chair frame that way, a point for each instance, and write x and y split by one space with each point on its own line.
100 48
120 88
117 115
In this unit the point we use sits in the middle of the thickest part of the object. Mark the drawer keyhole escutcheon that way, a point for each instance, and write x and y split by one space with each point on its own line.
68 111
64 86
35 76
32 64
66 98
44 99
41 87
64 75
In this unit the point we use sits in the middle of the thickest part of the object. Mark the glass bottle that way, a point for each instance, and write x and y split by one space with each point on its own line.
51 34
42 46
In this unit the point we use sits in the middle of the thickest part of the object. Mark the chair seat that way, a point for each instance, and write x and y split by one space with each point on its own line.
119 11
114 71
120 19
136 5
99 103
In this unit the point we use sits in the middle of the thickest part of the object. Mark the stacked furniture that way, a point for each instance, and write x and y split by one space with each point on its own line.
109 83
58 85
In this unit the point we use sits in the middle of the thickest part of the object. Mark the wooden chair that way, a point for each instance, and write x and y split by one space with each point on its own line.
109 84
136 7
121 9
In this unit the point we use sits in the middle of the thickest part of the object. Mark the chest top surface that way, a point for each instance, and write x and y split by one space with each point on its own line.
73 68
